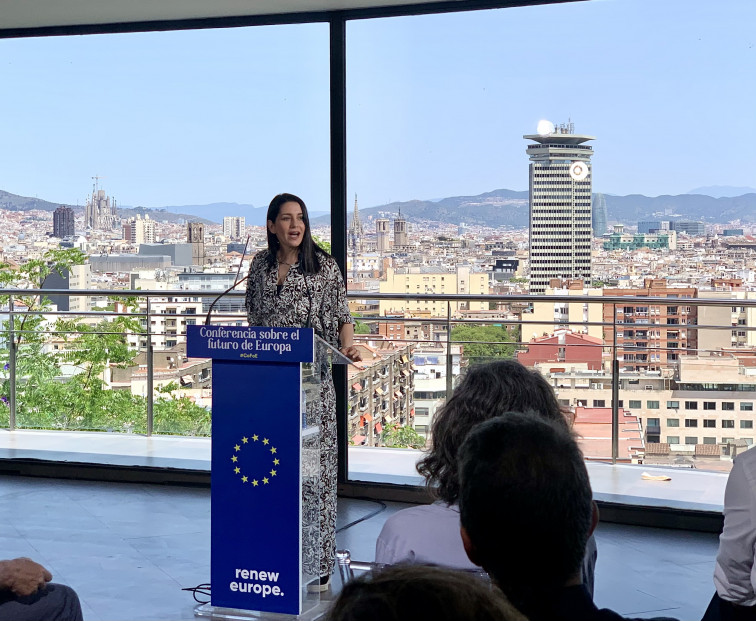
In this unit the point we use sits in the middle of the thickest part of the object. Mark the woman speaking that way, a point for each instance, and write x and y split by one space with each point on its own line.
297 284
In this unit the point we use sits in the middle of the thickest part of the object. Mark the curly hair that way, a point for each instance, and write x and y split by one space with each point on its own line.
485 392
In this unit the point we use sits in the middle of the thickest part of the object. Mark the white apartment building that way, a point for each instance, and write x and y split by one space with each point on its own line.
425 280
233 227
139 230
708 400
168 321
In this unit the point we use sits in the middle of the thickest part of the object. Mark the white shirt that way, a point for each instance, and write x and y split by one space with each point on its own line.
425 535
734 572
429 535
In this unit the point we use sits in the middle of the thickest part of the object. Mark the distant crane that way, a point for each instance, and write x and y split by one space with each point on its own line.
96 184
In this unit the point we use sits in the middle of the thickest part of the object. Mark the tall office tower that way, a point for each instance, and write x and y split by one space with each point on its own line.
195 235
100 214
233 227
599 216
400 231
139 230
355 232
63 222
383 240
560 205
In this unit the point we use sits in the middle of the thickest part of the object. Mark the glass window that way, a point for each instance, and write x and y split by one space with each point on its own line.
709 440
728 424
599 403
633 404
673 439
691 422
709 405
746 406
728 406
691 405
652 405
673 405
652 422
746 424
673 422
709 422
691 440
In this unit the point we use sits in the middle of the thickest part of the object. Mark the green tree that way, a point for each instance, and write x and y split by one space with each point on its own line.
325 245
398 436
44 398
360 327
485 343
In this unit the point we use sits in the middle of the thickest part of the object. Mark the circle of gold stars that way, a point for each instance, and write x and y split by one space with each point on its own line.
263 442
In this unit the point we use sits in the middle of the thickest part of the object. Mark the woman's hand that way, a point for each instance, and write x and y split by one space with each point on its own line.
352 353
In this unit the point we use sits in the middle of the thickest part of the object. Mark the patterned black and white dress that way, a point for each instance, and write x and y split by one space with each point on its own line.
320 301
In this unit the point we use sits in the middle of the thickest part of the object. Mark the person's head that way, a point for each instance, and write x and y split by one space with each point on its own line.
289 229
411 592
486 391
526 507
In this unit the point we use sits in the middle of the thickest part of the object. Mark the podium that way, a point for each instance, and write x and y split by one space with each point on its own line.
265 534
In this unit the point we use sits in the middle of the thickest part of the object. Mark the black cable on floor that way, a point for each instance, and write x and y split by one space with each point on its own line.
200 589
365 517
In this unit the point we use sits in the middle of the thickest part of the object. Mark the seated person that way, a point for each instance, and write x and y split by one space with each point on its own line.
735 572
429 534
412 592
526 511
26 594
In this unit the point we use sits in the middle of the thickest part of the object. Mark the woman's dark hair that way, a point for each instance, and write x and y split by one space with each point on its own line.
308 249
485 392
411 592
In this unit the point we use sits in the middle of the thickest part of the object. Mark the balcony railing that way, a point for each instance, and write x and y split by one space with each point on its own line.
146 385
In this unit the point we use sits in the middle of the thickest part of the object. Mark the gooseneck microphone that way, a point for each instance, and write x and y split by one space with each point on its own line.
237 282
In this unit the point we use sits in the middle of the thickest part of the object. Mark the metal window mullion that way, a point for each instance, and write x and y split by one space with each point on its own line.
11 366
615 390
150 370
337 102
449 365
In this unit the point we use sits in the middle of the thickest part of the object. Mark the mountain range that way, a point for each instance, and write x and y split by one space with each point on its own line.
508 208
498 208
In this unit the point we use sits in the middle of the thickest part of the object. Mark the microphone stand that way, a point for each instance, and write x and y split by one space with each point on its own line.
236 283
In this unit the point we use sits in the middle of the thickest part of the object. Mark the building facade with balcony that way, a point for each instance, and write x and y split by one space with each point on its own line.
651 336
462 279
168 321
381 392
706 401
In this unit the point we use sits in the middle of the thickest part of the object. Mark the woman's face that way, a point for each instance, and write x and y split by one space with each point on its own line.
289 227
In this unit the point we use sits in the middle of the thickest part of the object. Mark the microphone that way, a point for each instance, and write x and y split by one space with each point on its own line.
236 283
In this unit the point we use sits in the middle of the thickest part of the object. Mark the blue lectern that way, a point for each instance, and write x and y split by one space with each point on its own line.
265 458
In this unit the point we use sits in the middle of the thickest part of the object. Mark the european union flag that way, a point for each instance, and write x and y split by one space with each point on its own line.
255 460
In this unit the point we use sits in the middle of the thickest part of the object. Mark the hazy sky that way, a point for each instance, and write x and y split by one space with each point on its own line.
437 105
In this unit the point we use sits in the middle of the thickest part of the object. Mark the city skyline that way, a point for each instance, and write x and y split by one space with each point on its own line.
437 105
